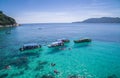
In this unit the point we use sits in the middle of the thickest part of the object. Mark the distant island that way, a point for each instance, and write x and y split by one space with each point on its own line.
101 20
6 21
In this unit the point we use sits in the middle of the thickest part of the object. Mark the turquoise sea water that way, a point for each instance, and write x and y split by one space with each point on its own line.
98 59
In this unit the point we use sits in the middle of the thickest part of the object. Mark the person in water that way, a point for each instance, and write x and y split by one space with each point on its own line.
53 64
56 72
8 67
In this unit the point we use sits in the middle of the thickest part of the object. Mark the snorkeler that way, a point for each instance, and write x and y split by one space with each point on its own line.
56 72
8 67
53 64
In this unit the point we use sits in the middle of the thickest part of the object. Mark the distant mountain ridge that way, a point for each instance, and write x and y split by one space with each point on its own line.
6 20
101 20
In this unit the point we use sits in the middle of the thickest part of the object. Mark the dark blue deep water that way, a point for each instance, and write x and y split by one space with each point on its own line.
98 59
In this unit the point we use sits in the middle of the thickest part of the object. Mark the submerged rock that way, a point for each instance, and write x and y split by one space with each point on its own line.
75 76
17 74
4 75
39 68
47 76
20 62
40 65
4 62
112 76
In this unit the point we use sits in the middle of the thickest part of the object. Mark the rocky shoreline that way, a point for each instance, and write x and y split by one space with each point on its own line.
14 25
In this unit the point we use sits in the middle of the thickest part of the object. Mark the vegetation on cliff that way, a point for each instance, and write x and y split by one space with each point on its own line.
6 20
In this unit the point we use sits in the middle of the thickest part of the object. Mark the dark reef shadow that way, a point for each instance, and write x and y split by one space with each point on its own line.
18 60
75 76
4 75
40 65
21 62
47 75
17 74
112 76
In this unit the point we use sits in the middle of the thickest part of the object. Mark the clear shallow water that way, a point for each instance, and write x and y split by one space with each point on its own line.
98 59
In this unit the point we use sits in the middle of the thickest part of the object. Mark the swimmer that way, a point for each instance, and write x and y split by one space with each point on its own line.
56 72
8 67
53 64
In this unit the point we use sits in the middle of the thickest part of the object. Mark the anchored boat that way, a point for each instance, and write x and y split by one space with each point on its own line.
82 40
56 44
64 40
30 46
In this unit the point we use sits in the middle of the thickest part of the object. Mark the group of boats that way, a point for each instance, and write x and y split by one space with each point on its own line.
59 42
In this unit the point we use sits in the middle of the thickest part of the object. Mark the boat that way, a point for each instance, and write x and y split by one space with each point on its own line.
56 44
82 40
64 40
30 46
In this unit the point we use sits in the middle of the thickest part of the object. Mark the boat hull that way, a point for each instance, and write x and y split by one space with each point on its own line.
82 40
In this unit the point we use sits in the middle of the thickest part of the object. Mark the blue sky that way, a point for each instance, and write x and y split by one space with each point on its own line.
49 11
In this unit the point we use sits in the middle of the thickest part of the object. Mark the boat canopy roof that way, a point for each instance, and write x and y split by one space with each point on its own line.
57 42
30 44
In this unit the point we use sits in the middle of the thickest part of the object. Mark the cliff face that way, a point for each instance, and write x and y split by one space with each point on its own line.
6 20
